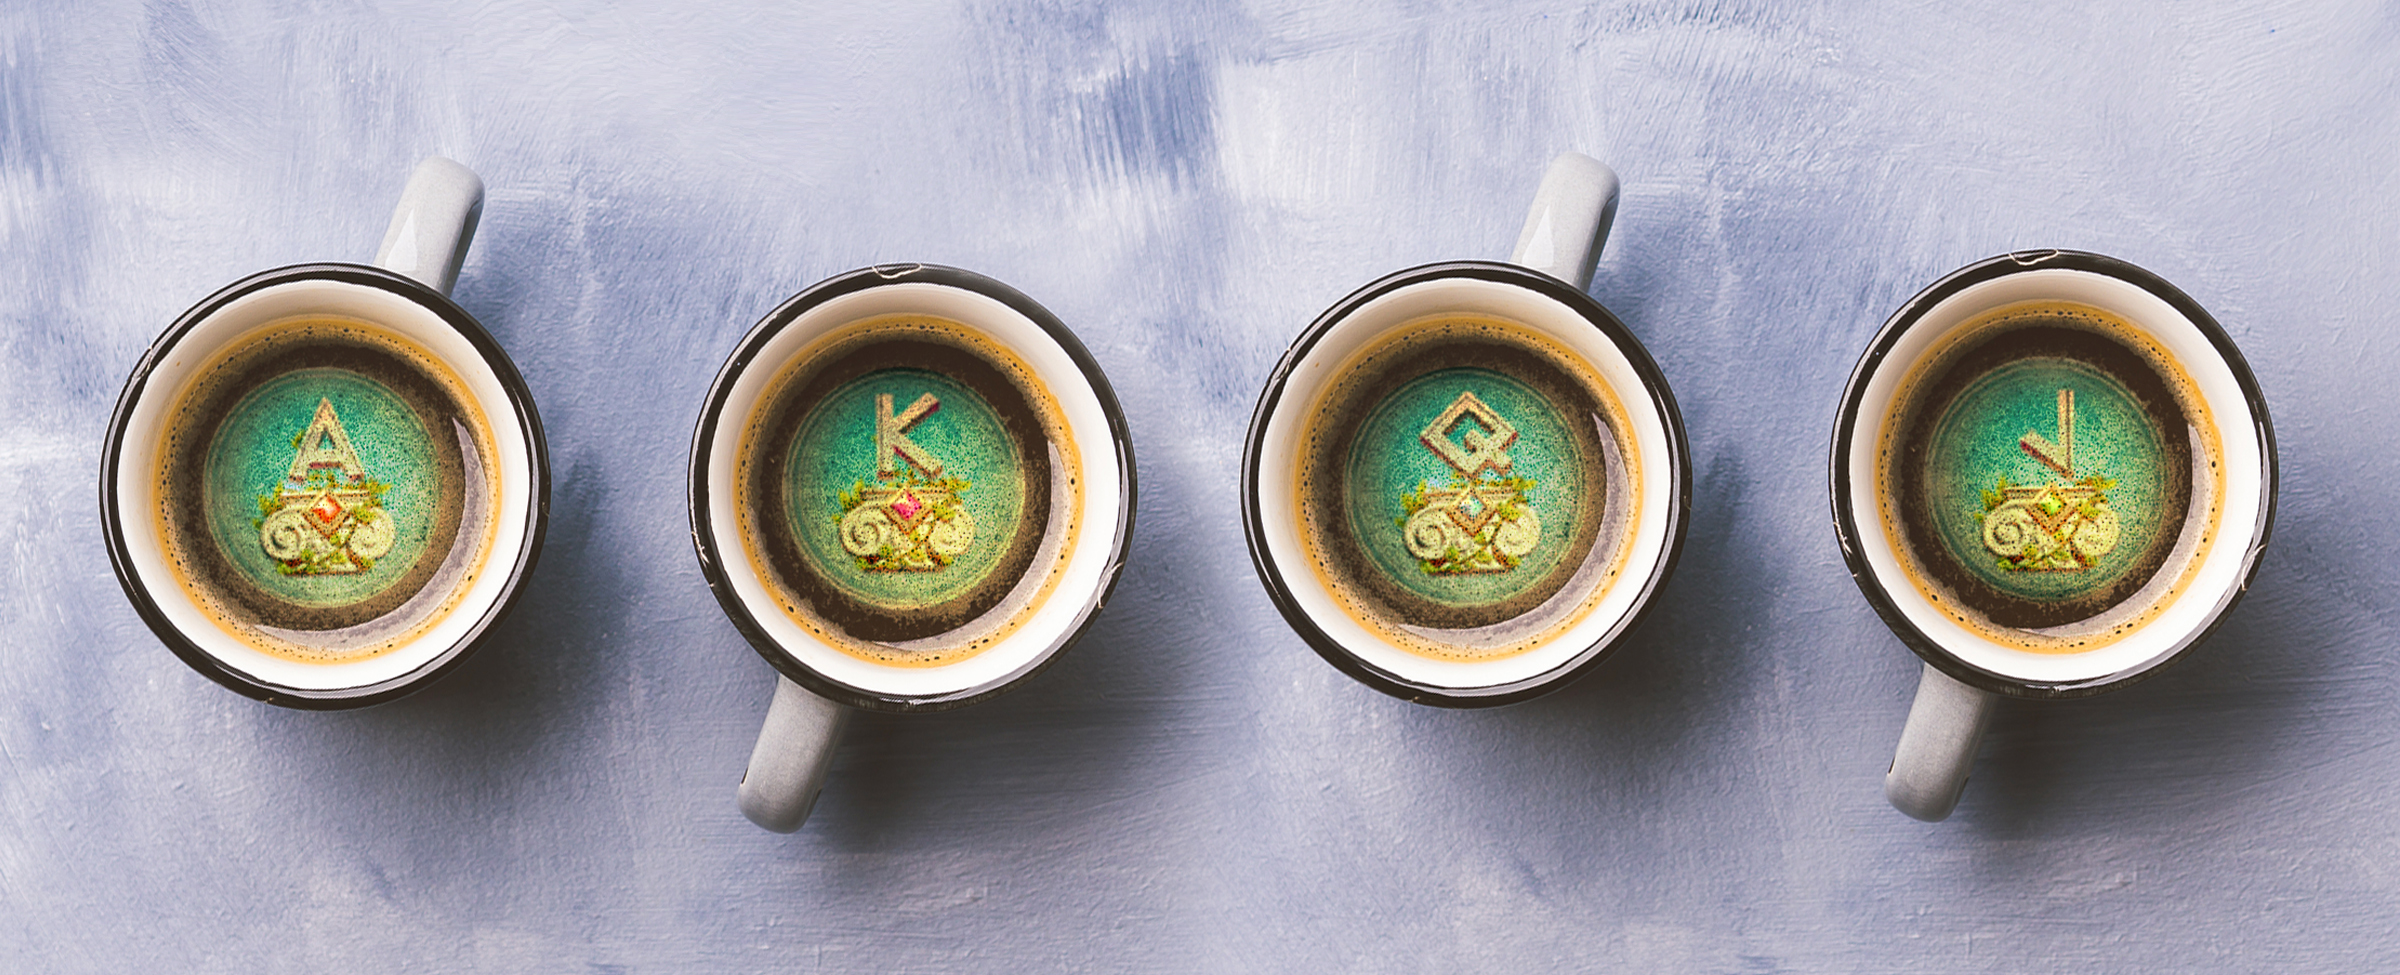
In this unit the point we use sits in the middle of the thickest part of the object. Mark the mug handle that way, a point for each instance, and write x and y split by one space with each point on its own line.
1937 747
1569 221
433 224
787 766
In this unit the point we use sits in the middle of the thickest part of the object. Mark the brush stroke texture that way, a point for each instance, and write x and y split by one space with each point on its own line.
1191 789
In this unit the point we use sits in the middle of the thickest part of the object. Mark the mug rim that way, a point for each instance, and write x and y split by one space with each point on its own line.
520 401
1878 355
1677 462
713 563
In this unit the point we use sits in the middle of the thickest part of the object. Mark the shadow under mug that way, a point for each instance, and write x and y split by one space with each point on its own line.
859 403
428 611
1957 390
1490 492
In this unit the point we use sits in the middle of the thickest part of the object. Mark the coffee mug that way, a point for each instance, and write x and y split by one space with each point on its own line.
2052 476
911 488
1466 482
325 483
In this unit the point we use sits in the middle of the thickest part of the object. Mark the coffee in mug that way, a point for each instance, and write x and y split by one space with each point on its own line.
1466 482
907 488
1459 476
325 483
2053 475
912 489
328 489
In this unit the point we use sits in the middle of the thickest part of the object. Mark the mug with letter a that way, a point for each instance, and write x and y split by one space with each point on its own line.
325 483
911 488
2052 476
1465 483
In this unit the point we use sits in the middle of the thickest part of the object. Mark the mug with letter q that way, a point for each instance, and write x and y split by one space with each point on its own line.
1466 482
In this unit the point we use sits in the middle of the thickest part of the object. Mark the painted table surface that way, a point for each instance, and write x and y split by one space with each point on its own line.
1191 788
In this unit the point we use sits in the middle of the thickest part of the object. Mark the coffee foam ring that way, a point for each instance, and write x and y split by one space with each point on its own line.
1308 380
137 496
2223 566
1069 601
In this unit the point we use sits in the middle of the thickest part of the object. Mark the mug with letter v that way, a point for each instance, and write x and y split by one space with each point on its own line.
1466 482
911 488
2052 475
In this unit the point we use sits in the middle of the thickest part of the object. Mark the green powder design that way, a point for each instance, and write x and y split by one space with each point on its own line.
333 536
2054 534
898 535
1464 537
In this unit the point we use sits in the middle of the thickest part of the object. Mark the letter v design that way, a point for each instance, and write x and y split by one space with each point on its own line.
2061 525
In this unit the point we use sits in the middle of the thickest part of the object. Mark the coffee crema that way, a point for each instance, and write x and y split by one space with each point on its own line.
1465 488
2050 477
325 489
908 490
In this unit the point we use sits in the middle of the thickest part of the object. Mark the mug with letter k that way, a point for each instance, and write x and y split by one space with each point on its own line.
910 490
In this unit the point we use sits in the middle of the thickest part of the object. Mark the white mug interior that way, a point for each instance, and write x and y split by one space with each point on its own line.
1069 602
137 486
1305 386
2223 567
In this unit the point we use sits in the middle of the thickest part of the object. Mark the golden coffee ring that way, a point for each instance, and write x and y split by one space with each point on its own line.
2010 531
867 530
1429 533
950 536
286 534
2095 537
1517 536
372 534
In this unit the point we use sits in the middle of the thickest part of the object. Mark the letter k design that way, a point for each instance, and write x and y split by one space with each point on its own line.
891 435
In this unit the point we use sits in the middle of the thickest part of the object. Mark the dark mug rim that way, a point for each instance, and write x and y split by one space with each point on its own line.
520 400
713 562
1878 354
1654 385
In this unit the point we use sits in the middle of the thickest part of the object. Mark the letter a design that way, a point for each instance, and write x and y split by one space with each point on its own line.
325 446
326 518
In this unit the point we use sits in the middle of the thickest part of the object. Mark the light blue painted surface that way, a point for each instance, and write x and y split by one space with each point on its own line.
1190 789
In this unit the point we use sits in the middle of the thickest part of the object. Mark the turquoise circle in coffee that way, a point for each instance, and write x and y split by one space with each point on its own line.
321 487
1464 488
903 488
2047 479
